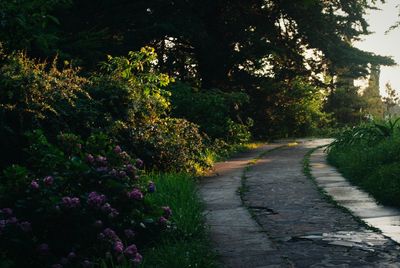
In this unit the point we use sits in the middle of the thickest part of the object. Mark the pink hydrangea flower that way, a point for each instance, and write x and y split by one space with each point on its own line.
34 185
131 251
48 180
117 149
118 247
135 194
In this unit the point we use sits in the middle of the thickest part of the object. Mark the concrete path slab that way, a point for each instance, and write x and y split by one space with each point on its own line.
385 218
291 224
238 239
307 230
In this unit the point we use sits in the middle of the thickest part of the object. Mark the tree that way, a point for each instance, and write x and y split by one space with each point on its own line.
371 95
391 100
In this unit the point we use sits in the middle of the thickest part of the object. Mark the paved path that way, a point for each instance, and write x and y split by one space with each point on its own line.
238 239
296 226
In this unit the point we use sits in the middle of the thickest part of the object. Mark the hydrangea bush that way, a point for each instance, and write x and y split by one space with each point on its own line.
82 204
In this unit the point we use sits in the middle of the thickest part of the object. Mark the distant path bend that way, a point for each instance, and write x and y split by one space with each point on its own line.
293 225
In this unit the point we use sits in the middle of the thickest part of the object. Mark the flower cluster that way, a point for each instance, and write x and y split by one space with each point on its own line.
97 200
70 202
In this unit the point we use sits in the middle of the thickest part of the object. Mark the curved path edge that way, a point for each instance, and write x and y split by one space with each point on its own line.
356 200
237 239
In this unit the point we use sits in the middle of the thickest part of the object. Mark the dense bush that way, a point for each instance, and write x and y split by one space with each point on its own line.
292 109
36 95
217 113
168 144
125 99
31 25
79 202
369 155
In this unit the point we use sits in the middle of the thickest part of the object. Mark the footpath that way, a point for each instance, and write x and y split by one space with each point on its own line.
270 214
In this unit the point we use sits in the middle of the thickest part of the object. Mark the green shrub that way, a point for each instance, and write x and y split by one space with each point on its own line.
83 201
127 96
369 155
287 109
36 95
167 144
31 25
216 112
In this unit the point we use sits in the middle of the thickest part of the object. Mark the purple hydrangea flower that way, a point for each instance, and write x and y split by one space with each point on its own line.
139 162
131 251
70 202
110 234
34 185
151 187
96 200
162 221
118 247
138 259
90 158
167 212
48 180
117 149
135 194
130 170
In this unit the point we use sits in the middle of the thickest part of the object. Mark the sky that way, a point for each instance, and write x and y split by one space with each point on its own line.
384 44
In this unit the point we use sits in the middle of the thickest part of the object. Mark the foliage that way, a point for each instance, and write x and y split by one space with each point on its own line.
217 113
366 134
189 233
127 96
390 100
31 25
346 106
166 144
36 95
287 110
369 157
83 200
374 105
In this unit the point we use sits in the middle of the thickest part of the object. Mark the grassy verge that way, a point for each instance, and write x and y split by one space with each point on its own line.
187 243
231 150
375 167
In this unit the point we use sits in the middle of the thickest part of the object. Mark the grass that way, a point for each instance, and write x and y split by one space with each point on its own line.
233 149
374 167
187 244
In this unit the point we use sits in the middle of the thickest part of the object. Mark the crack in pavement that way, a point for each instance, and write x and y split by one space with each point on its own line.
293 224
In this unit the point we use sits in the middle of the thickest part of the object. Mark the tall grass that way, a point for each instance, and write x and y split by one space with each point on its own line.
369 156
187 243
